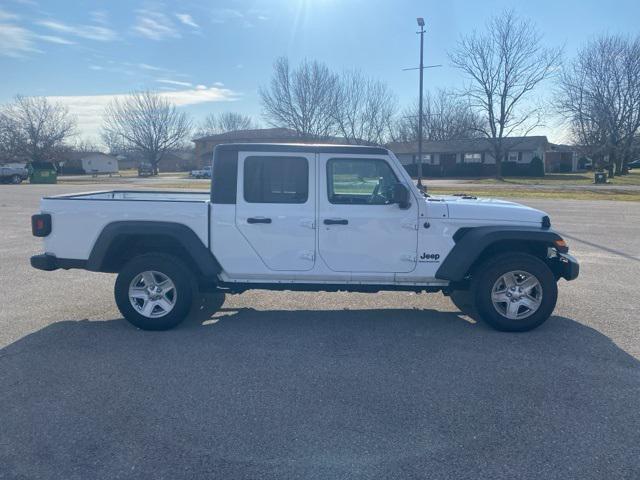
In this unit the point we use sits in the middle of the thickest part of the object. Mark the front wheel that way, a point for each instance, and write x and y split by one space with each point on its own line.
154 291
515 292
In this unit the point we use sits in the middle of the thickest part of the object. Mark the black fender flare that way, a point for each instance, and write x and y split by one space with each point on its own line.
472 241
183 235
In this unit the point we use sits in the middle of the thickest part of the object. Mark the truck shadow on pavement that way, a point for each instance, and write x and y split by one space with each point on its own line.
318 394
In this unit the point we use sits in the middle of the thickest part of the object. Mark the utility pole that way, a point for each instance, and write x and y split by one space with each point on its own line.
422 67
421 32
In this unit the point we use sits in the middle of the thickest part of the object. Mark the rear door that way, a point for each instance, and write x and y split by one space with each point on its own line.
276 206
359 229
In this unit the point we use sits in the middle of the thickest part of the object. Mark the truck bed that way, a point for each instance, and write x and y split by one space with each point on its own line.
78 219
137 195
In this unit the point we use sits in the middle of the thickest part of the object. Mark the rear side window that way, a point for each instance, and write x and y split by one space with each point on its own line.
272 179
224 180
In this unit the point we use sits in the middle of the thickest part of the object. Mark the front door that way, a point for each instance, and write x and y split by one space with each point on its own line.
275 208
360 230
447 163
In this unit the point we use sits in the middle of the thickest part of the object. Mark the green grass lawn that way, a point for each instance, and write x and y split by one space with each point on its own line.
474 187
559 179
598 193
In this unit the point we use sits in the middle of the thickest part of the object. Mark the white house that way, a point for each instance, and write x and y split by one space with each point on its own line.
97 162
89 162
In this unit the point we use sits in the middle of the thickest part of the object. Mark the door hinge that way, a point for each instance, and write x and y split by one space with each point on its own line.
308 255
410 225
409 257
305 222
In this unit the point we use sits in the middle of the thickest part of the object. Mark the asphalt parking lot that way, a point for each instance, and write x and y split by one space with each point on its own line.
296 385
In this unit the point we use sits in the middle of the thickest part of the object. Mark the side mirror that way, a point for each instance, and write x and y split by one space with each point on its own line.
401 196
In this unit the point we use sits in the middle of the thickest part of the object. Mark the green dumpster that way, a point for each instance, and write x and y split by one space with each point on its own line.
600 177
43 173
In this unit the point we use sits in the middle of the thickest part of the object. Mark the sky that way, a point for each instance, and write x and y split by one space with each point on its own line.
211 56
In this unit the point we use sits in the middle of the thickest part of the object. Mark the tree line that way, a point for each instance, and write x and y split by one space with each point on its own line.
597 94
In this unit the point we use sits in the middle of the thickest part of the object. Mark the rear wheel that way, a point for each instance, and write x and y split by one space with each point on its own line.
16 179
154 291
515 292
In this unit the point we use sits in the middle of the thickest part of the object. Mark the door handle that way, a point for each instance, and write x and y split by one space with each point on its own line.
258 220
336 221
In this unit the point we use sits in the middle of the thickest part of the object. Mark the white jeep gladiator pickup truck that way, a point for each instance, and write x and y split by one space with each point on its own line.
310 218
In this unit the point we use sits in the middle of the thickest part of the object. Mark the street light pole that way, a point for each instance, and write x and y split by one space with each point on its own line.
421 32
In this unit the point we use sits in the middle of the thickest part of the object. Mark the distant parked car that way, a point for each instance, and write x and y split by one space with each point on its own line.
634 164
13 175
202 173
145 170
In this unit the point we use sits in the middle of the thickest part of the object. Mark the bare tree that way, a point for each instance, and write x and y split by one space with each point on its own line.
147 123
446 116
301 99
34 129
363 109
115 143
599 95
503 66
85 145
225 122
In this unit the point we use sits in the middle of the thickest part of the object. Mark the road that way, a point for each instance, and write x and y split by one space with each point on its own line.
319 386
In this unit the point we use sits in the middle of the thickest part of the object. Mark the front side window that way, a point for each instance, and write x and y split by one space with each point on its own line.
360 181
272 179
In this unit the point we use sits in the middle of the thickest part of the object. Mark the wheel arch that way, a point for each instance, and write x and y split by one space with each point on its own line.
476 244
120 241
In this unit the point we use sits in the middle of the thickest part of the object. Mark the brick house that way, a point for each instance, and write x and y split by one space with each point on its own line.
469 157
204 145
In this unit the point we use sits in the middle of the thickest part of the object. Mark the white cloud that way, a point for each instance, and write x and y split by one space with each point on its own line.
155 25
89 32
174 82
89 109
16 41
187 19
100 16
246 18
4 15
223 15
153 68
55 39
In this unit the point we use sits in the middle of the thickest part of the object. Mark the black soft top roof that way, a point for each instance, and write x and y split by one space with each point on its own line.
301 147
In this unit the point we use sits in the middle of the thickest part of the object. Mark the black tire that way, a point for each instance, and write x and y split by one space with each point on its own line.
16 179
463 300
491 271
169 266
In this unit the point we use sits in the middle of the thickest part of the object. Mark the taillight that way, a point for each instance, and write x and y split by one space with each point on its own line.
41 225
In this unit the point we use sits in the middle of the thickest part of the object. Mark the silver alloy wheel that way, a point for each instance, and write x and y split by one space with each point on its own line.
152 294
517 295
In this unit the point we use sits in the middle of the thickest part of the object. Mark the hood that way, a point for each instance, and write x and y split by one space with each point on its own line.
490 209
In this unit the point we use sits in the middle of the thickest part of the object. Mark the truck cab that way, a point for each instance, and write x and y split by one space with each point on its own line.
308 217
